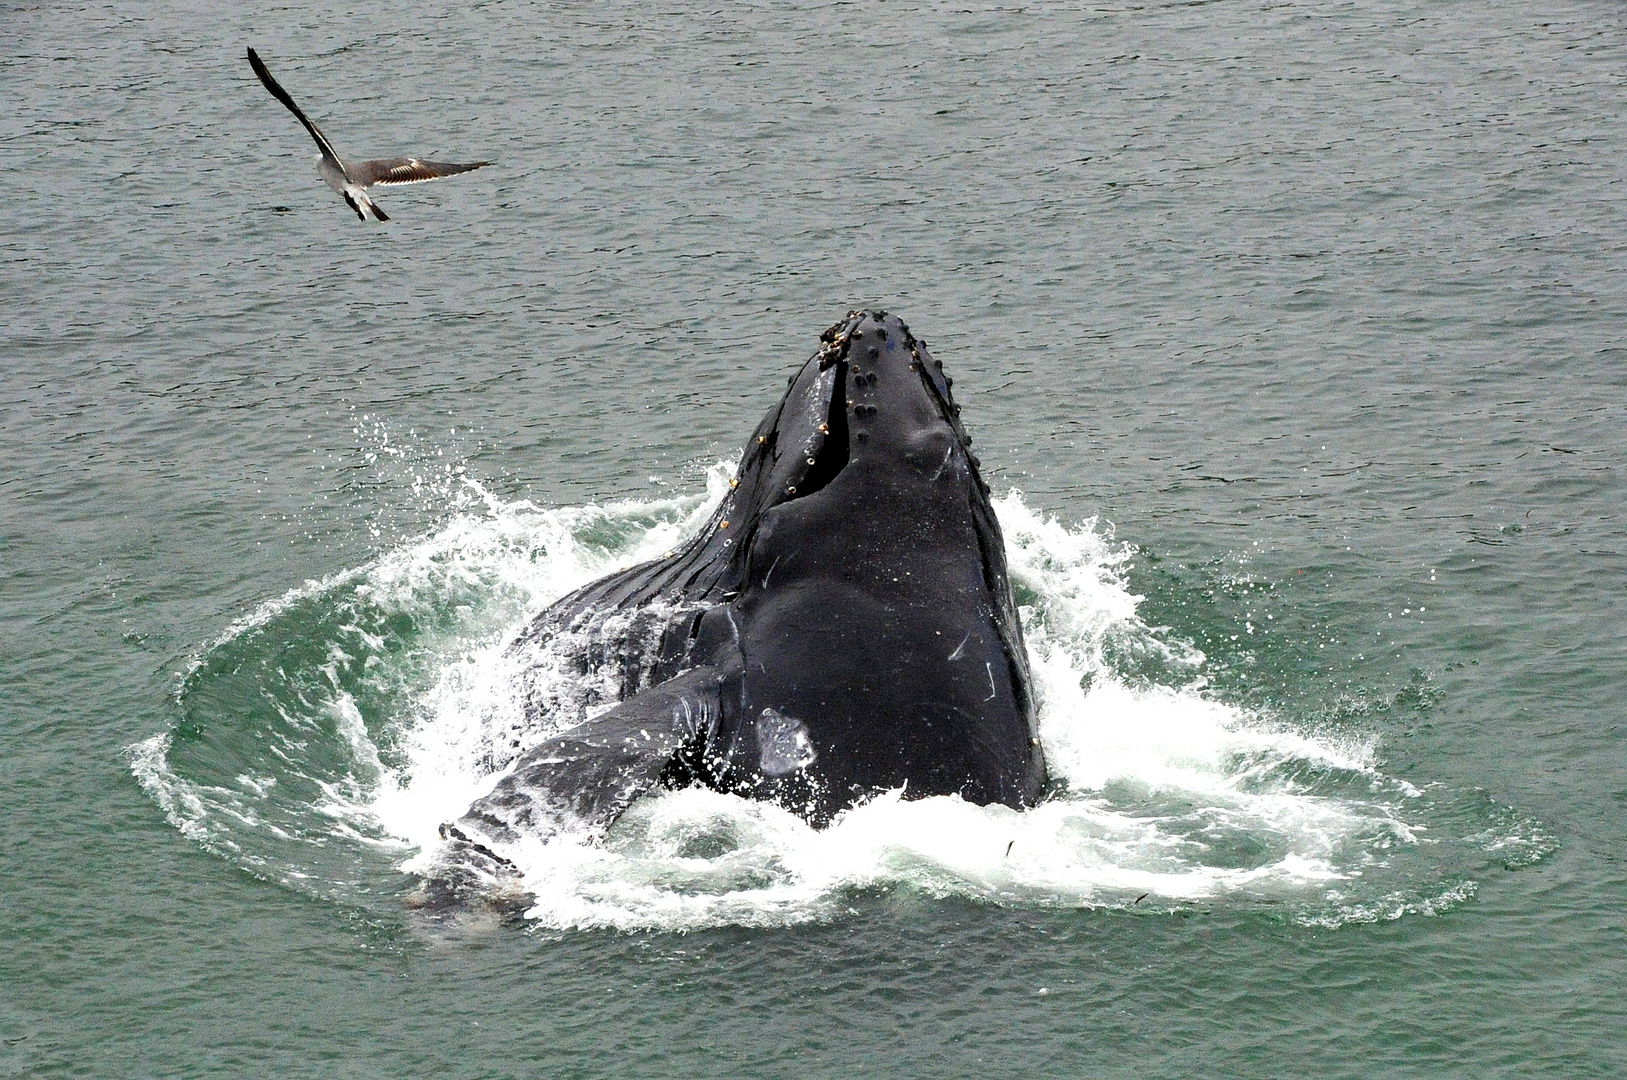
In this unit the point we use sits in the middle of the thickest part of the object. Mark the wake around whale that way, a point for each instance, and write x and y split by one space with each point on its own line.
842 626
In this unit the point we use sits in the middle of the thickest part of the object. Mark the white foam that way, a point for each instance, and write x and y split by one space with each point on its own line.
1125 752
473 715
1167 796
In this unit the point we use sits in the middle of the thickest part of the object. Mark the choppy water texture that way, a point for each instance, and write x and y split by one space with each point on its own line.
1295 333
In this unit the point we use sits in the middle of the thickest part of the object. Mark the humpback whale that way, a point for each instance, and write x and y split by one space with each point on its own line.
843 625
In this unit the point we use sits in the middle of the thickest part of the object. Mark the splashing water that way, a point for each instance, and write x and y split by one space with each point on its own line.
323 740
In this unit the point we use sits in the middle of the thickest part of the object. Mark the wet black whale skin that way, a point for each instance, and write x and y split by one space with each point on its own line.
842 626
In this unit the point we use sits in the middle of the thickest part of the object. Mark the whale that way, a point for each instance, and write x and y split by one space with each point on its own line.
843 625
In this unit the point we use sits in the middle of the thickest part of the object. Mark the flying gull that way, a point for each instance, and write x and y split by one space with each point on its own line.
352 178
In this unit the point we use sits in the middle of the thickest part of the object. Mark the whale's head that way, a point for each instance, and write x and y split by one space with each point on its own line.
867 591
871 408
860 479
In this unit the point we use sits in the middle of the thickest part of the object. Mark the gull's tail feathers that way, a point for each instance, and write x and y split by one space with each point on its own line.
359 202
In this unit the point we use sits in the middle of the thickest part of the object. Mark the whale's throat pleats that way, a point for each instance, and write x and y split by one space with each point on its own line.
833 451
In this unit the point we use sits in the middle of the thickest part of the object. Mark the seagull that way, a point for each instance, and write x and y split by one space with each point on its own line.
352 178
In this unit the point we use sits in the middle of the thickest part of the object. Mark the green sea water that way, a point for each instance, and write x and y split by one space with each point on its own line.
1292 336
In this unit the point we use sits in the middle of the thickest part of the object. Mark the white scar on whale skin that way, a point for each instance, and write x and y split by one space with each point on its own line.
351 179
783 744
992 691
960 649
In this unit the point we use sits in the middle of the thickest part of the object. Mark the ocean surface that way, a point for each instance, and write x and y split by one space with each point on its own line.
1294 340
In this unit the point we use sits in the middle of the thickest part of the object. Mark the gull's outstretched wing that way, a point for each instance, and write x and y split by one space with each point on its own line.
406 170
282 95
